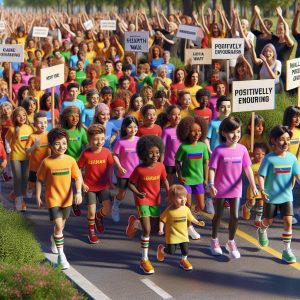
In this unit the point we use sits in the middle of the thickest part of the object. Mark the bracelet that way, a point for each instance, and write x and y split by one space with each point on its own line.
78 192
210 184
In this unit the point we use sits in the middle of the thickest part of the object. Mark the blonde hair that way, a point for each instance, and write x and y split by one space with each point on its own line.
176 190
15 114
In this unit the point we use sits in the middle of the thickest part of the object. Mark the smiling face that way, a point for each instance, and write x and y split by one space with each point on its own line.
258 129
131 130
137 103
150 117
32 107
195 133
180 75
73 120
103 116
295 121
232 137
153 155
21 118
174 117
194 79
269 54
59 147
185 101
282 143
41 124
258 155
97 141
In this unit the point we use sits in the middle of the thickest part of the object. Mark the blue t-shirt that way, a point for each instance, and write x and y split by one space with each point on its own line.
77 103
110 129
88 116
171 69
4 99
213 133
155 62
278 172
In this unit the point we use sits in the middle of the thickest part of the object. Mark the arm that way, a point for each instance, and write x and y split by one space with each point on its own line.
206 30
261 183
225 23
207 142
78 185
118 164
211 180
38 191
253 22
34 146
296 21
134 189
255 59
164 17
166 184
261 22
158 19
270 71
250 176
3 164
242 34
161 228
288 39
205 172
178 170
248 65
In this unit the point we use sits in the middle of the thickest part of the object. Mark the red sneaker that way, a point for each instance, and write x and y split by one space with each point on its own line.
76 210
131 229
99 224
93 238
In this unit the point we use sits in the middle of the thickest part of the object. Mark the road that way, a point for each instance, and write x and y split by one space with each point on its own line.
113 264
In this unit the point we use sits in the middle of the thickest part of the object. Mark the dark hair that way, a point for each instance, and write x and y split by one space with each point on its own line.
126 67
39 114
218 82
220 100
95 129
57 134
262 146
44 98
175 72
227 125
145 143
72 85
184 128
162 120
106 90
64 116
189 78
257 120
21 90
145 109
123 78
160 94
171 107
126 122
86 82
13 77
289 113
26 103
201 93
132 98
278 131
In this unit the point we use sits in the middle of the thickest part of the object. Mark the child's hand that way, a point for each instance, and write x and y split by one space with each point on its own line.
213 191
37 142
39 202
3 164
122 170
160 233
141 195
181 179
85 188
255 191
78 198
265 196
200 223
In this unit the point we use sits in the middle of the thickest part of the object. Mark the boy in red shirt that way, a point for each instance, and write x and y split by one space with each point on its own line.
149 118
202 97
97 162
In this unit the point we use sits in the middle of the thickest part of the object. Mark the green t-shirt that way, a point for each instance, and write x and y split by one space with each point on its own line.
66 54
192 158
149 79
80 76
77 139
82 98
112 80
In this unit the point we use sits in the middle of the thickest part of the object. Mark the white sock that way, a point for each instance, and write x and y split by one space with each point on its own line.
145 250
60 250
183 257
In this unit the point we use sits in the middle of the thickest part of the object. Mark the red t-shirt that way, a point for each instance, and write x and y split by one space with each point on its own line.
96 167
175 89
147 180
155 130
204 114
2 152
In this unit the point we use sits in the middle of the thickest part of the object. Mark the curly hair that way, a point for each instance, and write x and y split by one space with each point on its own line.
183 130
145 143
69 110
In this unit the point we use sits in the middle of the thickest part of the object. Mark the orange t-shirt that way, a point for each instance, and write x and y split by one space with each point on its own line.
57 173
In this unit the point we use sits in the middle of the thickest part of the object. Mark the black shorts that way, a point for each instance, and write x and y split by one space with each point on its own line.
122 183
92 197
171 248
32 176
59 212
270 210
170 169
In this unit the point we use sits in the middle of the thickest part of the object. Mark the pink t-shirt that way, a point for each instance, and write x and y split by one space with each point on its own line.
212 104
171 143
228 164
126 151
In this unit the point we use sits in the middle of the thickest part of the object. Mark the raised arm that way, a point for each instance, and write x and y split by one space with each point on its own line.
296 22
206 30
242 34
261 22
288 39
158 19
255 59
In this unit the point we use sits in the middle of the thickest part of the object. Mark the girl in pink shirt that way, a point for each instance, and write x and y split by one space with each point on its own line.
225 181
126 159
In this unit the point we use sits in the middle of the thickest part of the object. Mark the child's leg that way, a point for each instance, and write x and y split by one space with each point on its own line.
287 233
115 211
234 217
200 204
59 224
184 263
24 176
259 210
219 208
146 227
269 212
247 207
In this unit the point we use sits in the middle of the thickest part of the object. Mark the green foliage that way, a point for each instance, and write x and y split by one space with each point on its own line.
177 62
35 283
17 242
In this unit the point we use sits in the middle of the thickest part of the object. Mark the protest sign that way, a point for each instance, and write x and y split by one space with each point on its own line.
137 41
108 25
227 48
11 53
197 56
40 31
88 25
293 73
188 32
52 76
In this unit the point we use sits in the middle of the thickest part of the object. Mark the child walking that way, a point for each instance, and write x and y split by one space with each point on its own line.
145 183
57 172
175 218
226 164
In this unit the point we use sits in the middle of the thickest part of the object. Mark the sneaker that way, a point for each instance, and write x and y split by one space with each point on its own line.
18 203
215 247
53 245
24 206
209 206
257 223
76 210
160 254
186 265
226 204
288 256
115 212
232 249
92 236
194 235
62 262
99 224
294 221
131 229
245 212
146 266
262 237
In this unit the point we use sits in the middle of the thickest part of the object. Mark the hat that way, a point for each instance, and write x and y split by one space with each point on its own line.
102 107
117 103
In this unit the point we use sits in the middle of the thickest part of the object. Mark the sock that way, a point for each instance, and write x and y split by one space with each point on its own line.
248 205
287 238
259 211
59 242
100 214
91 223
263 226
116 201
145 247
183 257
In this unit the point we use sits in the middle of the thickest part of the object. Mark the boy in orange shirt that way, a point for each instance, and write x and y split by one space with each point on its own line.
57 172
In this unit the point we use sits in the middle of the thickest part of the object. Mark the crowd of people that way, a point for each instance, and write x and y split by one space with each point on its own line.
135 121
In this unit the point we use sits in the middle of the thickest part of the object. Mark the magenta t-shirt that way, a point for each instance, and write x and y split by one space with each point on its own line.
212 104
172 144
125 149
228 164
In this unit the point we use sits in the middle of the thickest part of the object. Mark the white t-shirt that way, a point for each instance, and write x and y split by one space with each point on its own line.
276 67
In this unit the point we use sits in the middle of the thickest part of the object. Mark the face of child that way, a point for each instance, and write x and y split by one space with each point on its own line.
138 103
216 66
282 143
80 65
27 70
103 117
25 93
221 90
179 201
258 129
241 69
108 68
94 100
6 110
174 117
163 73
194 79
107 98
185 101
131 130
59 147
119 66
86 88
166 57
119 112
214 78
18 78
160 102
41 124
153 155
73 92
148 93
180 75
73 120
232 137
97 141
268 53
150 117
127 72
195 133
21 118
125 84
258 155
225 108
32 107
295 121
204 101
3 90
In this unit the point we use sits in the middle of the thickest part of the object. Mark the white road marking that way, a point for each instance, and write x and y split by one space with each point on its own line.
159 291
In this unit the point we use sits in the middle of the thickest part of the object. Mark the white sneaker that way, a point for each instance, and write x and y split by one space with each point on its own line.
62 262
18 203
53 245
209 206
294 221
215 247
115 211
232 249
194 235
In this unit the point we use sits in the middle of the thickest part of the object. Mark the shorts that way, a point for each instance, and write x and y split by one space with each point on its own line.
148 211
92 197
171 248
170 169
122 183
195 189
250 194
286 209
32 176
59 212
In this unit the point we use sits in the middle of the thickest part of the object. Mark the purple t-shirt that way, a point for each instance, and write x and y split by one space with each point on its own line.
228 164
125 149
171 143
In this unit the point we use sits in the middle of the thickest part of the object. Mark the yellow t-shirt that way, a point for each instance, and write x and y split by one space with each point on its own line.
176 228
246 141
18 143
254 167
295 141
57 174
90 55
186 113
193 90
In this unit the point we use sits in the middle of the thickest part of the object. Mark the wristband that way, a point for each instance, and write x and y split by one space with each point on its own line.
78 192
210 184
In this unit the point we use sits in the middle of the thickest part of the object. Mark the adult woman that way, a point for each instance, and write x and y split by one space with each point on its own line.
155 58
177 85
192 86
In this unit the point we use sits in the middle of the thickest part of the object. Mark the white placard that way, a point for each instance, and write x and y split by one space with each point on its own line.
108 25
293 73
197 56
52 76
137 41
227 48
253 95
40 31
11 53
188 32
88 25
2 25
